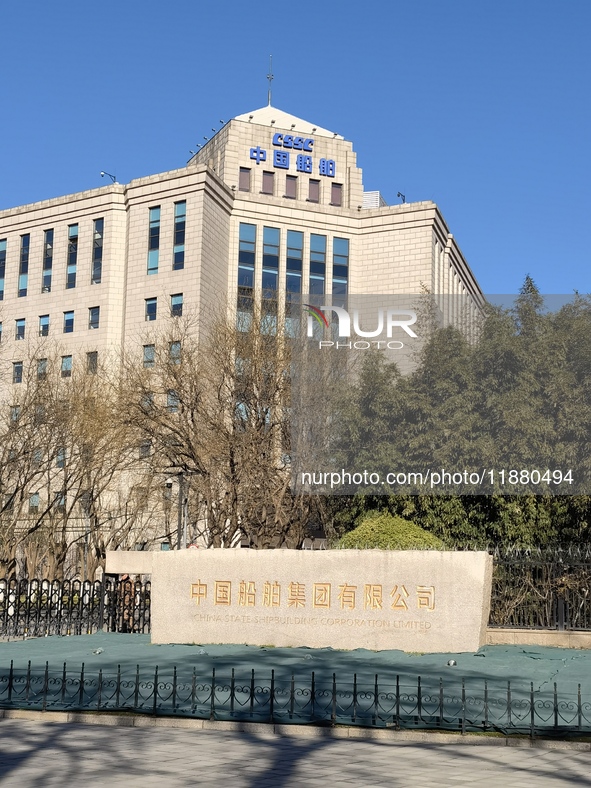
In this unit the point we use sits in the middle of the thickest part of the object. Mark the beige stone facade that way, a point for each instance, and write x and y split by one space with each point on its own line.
391 249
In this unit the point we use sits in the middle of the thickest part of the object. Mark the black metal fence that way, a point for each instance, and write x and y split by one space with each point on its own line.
542 589
32 608
533 589
458 706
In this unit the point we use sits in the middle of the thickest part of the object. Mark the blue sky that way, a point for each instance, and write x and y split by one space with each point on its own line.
481 106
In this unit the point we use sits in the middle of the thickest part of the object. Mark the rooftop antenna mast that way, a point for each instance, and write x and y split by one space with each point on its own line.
270 78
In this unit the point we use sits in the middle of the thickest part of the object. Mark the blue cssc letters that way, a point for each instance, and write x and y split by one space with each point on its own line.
289 141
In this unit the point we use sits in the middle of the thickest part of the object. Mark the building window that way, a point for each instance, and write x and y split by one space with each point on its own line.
336 194
295 258
43 325
60 457
2 266
17 371
20 328
97 251
66 368
244 179
94 316
180 216
68 322
176 305
145 449
268 183
23 270
147 401
149 355
59 501
291 186
172 401
151 308
154 240
41 369
92 362
313 191
72 256
270 261
15 413
340 266
34 502
47 261
317 263
246 262
174 352
40 415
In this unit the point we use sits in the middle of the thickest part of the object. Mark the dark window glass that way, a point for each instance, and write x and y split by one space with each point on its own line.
66 368
151 308
268 183
92 362
246 261
94 316
68 322
47 261
17 371
23 271
314 191
43 325
174 352
317 263
41 369
20 328
340 266
97 252
336 194
2 266
244 179
176 305
149 355
72 256
291 186
154 240
180 211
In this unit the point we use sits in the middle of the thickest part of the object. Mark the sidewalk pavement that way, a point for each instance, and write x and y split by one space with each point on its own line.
39 754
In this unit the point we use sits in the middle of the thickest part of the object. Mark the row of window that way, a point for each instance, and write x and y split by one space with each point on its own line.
178 249
176 307
20 331
174 354
294 258
293 187
47 259
65 368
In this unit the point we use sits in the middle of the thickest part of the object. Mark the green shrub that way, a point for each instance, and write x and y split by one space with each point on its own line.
389 532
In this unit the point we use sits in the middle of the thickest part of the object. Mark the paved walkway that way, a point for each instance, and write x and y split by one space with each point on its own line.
44 754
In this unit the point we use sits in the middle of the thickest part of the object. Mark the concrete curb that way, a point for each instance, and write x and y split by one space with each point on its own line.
382 735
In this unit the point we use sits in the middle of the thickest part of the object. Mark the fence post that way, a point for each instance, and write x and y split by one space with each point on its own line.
64 685
212 707
561 613
252 692
419 699
272 696
193 691
174 689
510 723
45 686
555 707
485 704
232 691
313 696
118 689
155 705
136 694
398 702
81 687
10 679
463 706
354 697
376 701
333 715
291 696
100 689
531 711
579 707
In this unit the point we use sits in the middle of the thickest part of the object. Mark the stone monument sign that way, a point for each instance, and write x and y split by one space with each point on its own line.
424 600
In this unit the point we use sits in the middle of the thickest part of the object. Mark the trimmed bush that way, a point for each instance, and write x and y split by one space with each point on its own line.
389 532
